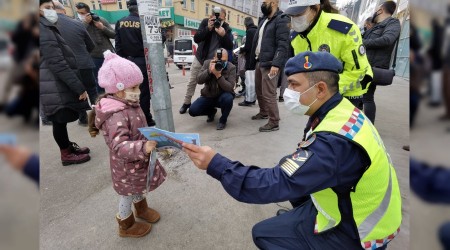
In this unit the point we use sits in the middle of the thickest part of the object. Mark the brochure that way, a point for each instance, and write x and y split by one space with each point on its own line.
168 139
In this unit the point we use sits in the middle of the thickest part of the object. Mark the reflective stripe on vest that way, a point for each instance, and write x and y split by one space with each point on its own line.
376 200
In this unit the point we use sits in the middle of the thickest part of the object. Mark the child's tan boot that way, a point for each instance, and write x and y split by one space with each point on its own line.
146 213
128 227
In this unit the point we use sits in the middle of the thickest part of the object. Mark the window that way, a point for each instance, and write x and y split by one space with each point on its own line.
100 6
184 4
207 9
238 19
93 5
159 3
120 5
192 5
212 9
169 3
228 16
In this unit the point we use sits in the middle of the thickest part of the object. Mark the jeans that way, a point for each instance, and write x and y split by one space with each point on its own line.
98 64
444 235
205 106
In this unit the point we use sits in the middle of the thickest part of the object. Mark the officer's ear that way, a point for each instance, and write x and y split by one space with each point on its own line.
322 88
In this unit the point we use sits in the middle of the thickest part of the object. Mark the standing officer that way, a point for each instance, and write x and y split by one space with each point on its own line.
317 29
340 180
129 45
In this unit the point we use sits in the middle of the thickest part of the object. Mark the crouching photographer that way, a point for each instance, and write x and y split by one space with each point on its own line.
218 76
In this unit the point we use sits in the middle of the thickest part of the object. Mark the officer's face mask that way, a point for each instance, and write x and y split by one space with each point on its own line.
300 23
292 101
50 15
132 94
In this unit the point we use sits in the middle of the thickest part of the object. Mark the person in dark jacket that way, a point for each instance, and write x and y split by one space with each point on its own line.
209 39
218 90
100 31
380 43
78 39
247 49
269 54
129 45
62 94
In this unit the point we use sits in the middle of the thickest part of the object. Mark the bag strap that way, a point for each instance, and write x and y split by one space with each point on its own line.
395 54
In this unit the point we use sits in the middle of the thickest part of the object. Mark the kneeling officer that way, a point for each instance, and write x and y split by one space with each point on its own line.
340 180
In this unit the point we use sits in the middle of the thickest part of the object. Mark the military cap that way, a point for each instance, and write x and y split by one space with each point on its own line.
312 61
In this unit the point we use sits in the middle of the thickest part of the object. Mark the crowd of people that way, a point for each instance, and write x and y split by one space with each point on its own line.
324 68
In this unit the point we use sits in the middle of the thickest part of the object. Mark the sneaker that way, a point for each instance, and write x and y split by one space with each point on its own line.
269 127
246 104
280 99
221 126
240 93
211 116
184 108
259 116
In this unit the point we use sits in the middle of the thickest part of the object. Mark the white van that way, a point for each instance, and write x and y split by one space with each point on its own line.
184 51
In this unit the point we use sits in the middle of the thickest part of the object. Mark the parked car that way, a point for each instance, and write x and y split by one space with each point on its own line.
184 51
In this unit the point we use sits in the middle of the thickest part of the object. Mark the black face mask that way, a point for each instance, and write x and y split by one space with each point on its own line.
266 9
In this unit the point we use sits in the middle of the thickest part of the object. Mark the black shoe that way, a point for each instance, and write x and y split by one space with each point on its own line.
240 93
245 103
282 211
184 108
221 126
406 147
170 86
280 99
211 116
47 123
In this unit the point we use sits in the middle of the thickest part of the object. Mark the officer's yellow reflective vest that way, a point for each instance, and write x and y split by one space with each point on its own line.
376 199
347 47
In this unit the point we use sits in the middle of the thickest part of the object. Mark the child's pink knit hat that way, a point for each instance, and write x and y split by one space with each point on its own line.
118 73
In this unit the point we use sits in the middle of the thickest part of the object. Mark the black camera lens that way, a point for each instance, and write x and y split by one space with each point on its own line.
218 66
95 17
217 23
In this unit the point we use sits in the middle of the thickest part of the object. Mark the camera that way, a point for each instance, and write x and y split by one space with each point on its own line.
219 63
217 22
95 17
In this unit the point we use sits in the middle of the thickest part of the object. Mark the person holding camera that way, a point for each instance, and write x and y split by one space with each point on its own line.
218 76
213 33
100 31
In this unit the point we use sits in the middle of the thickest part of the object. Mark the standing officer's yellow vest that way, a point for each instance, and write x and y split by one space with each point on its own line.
341 37
376 200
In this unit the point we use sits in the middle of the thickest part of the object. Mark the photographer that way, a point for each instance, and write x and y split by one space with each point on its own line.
100 31
218 75
212 34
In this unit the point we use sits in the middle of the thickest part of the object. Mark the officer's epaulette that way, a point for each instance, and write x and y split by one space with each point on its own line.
340 26
293 35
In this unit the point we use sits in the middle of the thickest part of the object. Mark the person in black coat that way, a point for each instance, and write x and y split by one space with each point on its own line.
62 94
247 49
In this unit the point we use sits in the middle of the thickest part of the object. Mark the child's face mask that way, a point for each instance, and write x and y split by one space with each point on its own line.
132 94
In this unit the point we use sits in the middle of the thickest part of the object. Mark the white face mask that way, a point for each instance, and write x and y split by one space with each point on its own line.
131 95
292 101
300 23
50 15
81 17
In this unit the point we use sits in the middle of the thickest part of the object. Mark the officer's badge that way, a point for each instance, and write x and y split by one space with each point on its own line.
324 48
307 64
293 163
307 143
362 50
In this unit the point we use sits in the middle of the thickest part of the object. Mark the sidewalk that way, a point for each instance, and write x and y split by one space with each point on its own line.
78 203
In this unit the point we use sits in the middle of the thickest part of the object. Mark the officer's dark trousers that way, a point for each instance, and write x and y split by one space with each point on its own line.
295 230
144 98
444 235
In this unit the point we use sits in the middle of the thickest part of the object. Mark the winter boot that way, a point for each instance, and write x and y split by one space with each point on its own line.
68 158
74 148
128 227
146 213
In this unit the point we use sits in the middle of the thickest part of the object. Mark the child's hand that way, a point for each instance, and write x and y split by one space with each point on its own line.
149 146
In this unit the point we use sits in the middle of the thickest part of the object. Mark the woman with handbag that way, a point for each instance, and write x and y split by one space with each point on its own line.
62 94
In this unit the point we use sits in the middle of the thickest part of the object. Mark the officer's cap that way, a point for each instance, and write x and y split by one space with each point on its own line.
312 61
296 7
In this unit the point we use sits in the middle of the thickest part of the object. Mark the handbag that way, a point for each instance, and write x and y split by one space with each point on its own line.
385 77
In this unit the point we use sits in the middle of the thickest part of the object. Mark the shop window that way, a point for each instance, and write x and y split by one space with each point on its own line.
207 9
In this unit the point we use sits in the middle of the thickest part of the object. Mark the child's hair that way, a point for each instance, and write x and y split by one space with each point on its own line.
93 130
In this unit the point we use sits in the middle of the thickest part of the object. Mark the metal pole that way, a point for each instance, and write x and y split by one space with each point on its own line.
156 66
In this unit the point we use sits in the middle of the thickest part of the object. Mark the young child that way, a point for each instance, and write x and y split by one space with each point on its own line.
118 115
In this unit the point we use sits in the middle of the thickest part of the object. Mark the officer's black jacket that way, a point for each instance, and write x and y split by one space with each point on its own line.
129 37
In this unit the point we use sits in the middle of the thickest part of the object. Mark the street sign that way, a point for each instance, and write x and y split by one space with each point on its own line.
152 29
148 7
